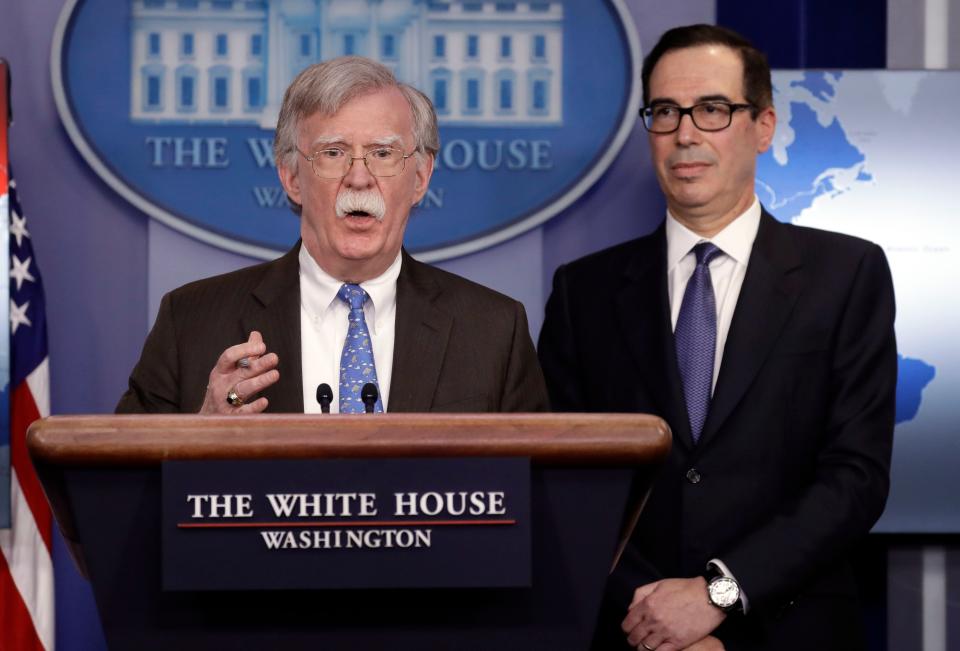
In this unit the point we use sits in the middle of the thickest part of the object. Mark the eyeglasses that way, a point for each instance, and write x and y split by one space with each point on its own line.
334 163
706 116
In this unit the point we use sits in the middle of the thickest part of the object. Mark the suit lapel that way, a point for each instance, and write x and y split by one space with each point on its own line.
275 312
768 295
421 334
643 311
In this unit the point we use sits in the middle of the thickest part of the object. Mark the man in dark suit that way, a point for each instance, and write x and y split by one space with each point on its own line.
768 348
346 307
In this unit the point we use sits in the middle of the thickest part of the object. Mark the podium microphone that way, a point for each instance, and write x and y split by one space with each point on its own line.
369 395
324 397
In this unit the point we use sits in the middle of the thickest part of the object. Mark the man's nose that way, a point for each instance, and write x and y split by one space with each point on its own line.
687 132
358 176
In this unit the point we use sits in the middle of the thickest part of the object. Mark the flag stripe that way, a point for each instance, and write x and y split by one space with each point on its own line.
39 382
16 628
27 577
23 411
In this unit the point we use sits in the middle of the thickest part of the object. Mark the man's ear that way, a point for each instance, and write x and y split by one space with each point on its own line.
423 173
766 124
290 181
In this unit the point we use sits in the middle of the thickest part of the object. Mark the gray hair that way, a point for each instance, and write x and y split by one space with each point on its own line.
325 87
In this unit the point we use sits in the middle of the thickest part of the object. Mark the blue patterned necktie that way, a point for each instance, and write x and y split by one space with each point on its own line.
356 361
696 338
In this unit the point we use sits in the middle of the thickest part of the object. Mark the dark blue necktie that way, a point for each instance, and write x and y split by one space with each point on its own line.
356 361
696 338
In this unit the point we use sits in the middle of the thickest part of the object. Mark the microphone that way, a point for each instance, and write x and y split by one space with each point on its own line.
369 395
324 397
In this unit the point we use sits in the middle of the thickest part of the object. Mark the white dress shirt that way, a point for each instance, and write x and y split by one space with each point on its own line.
726 271
323 329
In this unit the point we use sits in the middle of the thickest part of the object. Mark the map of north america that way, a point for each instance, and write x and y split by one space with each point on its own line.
812 158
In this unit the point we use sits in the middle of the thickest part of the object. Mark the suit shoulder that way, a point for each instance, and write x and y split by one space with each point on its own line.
245 277
228 293
835 263
832 239
612 260
464 290
829 246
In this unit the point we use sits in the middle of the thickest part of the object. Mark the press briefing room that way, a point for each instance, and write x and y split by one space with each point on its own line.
478 324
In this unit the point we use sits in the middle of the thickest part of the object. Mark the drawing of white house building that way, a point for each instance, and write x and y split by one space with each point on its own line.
482 62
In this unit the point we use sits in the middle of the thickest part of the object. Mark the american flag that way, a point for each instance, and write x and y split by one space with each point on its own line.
26 569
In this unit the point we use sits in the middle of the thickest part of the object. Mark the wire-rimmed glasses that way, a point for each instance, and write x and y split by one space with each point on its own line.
335 163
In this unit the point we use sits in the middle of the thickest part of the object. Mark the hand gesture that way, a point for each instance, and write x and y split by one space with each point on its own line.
241 372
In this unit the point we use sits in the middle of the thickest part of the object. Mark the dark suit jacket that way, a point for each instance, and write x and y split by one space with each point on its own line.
459 347
793 464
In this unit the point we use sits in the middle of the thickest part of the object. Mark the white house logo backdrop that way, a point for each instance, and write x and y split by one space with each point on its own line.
174 104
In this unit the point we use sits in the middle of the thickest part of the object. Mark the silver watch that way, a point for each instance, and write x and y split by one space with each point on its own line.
724 593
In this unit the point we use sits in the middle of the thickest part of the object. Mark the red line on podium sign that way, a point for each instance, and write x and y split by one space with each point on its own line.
388 523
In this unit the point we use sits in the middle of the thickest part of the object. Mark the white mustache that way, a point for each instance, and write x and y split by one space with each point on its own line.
368 201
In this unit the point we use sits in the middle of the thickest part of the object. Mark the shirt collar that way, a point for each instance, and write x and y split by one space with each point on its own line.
736 240
318 290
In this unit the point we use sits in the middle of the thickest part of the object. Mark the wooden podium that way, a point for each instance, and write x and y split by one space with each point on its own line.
589 477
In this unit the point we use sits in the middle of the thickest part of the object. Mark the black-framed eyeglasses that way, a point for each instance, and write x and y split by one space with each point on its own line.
707 116
335 163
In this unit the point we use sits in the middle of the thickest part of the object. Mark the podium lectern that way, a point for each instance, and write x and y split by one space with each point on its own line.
589 475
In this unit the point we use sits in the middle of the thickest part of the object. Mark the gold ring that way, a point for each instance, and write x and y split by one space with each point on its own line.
233 398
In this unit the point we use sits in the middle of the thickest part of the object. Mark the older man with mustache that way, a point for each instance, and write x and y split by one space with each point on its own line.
346 309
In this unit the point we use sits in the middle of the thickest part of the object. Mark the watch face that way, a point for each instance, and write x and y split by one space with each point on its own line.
724 592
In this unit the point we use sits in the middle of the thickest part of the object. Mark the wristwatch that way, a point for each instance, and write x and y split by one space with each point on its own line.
722 591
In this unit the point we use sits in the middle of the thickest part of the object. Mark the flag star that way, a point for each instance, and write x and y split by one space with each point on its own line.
20 271
18 226
18 316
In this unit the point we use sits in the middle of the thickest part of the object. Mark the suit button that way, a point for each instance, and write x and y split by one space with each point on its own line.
693 476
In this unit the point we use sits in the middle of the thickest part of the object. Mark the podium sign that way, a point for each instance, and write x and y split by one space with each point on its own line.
346 523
